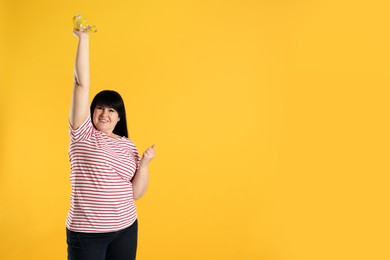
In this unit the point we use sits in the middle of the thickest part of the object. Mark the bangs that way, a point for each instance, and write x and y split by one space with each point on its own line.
108 99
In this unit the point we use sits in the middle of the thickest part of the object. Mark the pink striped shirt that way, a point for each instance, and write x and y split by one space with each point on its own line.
101 171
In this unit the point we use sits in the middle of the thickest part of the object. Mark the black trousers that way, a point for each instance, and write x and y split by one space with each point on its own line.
119 245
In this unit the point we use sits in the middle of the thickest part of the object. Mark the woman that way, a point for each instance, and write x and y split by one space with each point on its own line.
107 174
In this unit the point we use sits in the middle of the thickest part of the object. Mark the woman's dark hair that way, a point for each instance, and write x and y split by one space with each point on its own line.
110 98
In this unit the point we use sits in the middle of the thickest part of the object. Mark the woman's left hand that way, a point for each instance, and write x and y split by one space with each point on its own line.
147 156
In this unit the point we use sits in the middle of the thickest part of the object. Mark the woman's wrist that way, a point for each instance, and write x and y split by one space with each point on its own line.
143 165
84 37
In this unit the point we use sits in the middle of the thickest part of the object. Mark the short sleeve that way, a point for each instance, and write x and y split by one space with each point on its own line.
136 155
83 132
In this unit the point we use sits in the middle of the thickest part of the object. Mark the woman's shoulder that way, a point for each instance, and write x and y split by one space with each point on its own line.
124 139
128 142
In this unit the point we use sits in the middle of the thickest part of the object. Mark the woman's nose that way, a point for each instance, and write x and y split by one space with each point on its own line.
104 111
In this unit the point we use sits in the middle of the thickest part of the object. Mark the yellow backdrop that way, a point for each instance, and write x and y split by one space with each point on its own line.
270 119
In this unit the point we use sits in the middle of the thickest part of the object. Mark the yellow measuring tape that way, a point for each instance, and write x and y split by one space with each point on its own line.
81 21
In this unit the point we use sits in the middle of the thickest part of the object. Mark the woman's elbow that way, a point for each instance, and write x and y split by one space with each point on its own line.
138 195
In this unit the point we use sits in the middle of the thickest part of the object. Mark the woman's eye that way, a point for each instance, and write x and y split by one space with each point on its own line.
112 110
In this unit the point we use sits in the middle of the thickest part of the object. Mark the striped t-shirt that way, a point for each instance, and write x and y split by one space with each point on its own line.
101 171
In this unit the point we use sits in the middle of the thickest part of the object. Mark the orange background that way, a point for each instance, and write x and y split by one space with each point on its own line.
270 120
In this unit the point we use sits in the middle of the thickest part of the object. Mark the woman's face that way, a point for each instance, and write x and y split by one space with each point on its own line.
105 119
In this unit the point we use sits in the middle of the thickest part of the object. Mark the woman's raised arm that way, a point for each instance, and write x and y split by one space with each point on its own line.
79 109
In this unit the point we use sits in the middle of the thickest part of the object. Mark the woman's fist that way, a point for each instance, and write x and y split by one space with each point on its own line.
81 33
147 156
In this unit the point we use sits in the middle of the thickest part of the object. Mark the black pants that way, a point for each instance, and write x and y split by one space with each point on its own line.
119 245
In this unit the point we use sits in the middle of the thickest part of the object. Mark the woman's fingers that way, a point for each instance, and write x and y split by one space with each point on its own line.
150 149
79 32
149 153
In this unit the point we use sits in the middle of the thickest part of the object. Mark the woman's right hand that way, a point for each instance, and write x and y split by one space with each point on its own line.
80 33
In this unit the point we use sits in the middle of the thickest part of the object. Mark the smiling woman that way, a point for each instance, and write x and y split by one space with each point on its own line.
105 119
109 114
107 173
